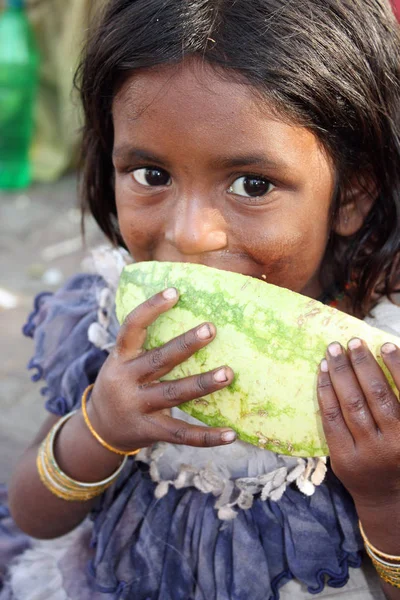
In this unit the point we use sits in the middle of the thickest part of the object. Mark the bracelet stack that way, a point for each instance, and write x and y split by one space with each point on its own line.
60 484
386 565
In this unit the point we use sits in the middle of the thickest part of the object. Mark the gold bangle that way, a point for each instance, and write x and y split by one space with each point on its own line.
69 489
383 564
394 581
389 581
60 484
375 550
95 434
56 489
389 572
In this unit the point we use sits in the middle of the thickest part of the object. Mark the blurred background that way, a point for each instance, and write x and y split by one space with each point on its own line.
40 241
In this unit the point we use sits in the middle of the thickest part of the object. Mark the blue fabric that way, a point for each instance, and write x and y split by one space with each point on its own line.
64 358
176 548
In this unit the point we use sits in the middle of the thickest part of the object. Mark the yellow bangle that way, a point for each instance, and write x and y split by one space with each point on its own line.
375 550
389 572
95 434
60 484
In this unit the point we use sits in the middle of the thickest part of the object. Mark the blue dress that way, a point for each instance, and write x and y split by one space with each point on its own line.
146 543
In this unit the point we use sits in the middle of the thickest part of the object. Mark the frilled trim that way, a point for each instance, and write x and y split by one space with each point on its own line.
57 405
29 328
65 358
33 365
336 580
233 494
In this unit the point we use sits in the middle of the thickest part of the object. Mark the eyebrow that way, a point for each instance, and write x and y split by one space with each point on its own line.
130 153
229 162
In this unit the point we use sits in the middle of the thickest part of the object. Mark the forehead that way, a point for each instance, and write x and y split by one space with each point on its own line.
194 103
193 85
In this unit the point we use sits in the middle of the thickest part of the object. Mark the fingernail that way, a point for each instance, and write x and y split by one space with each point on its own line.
204 333
354 344
220 376
388 348
335 349
228 436
324 366
170 294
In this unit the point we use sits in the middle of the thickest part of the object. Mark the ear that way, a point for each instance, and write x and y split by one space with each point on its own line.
356 202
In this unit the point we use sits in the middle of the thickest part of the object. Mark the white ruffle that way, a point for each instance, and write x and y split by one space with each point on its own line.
107 262
231 493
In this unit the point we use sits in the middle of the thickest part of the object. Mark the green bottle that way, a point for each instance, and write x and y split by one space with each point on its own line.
19 61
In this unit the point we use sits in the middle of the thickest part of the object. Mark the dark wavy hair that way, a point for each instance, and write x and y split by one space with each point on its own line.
330 65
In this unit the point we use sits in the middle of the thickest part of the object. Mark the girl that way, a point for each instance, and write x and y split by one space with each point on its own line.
256 136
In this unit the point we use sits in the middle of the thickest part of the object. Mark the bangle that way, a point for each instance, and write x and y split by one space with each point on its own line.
388 571
95 434
60 484
375 550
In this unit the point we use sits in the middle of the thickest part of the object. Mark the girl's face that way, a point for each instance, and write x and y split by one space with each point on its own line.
205 172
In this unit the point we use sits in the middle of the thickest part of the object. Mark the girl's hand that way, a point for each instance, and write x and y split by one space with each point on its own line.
361 419
129 407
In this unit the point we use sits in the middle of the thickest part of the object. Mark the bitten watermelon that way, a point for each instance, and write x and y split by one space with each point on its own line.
272 338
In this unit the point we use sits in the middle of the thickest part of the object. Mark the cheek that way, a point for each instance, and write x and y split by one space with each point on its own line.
139 230
289 256
277 240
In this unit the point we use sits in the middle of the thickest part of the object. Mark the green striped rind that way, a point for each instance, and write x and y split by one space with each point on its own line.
272 338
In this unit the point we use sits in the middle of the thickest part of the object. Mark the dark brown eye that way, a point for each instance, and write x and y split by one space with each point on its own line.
251 187
151 177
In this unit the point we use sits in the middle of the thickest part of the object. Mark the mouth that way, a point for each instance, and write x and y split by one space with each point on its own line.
234 262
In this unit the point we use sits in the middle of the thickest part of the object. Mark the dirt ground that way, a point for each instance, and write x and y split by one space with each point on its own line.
40 247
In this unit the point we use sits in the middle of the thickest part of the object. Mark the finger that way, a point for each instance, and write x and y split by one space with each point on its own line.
174 431
391 358
352 400
381 399
335 428
172 393
132 334
160 361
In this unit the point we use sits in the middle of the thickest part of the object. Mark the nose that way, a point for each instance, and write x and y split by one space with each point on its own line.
196 227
